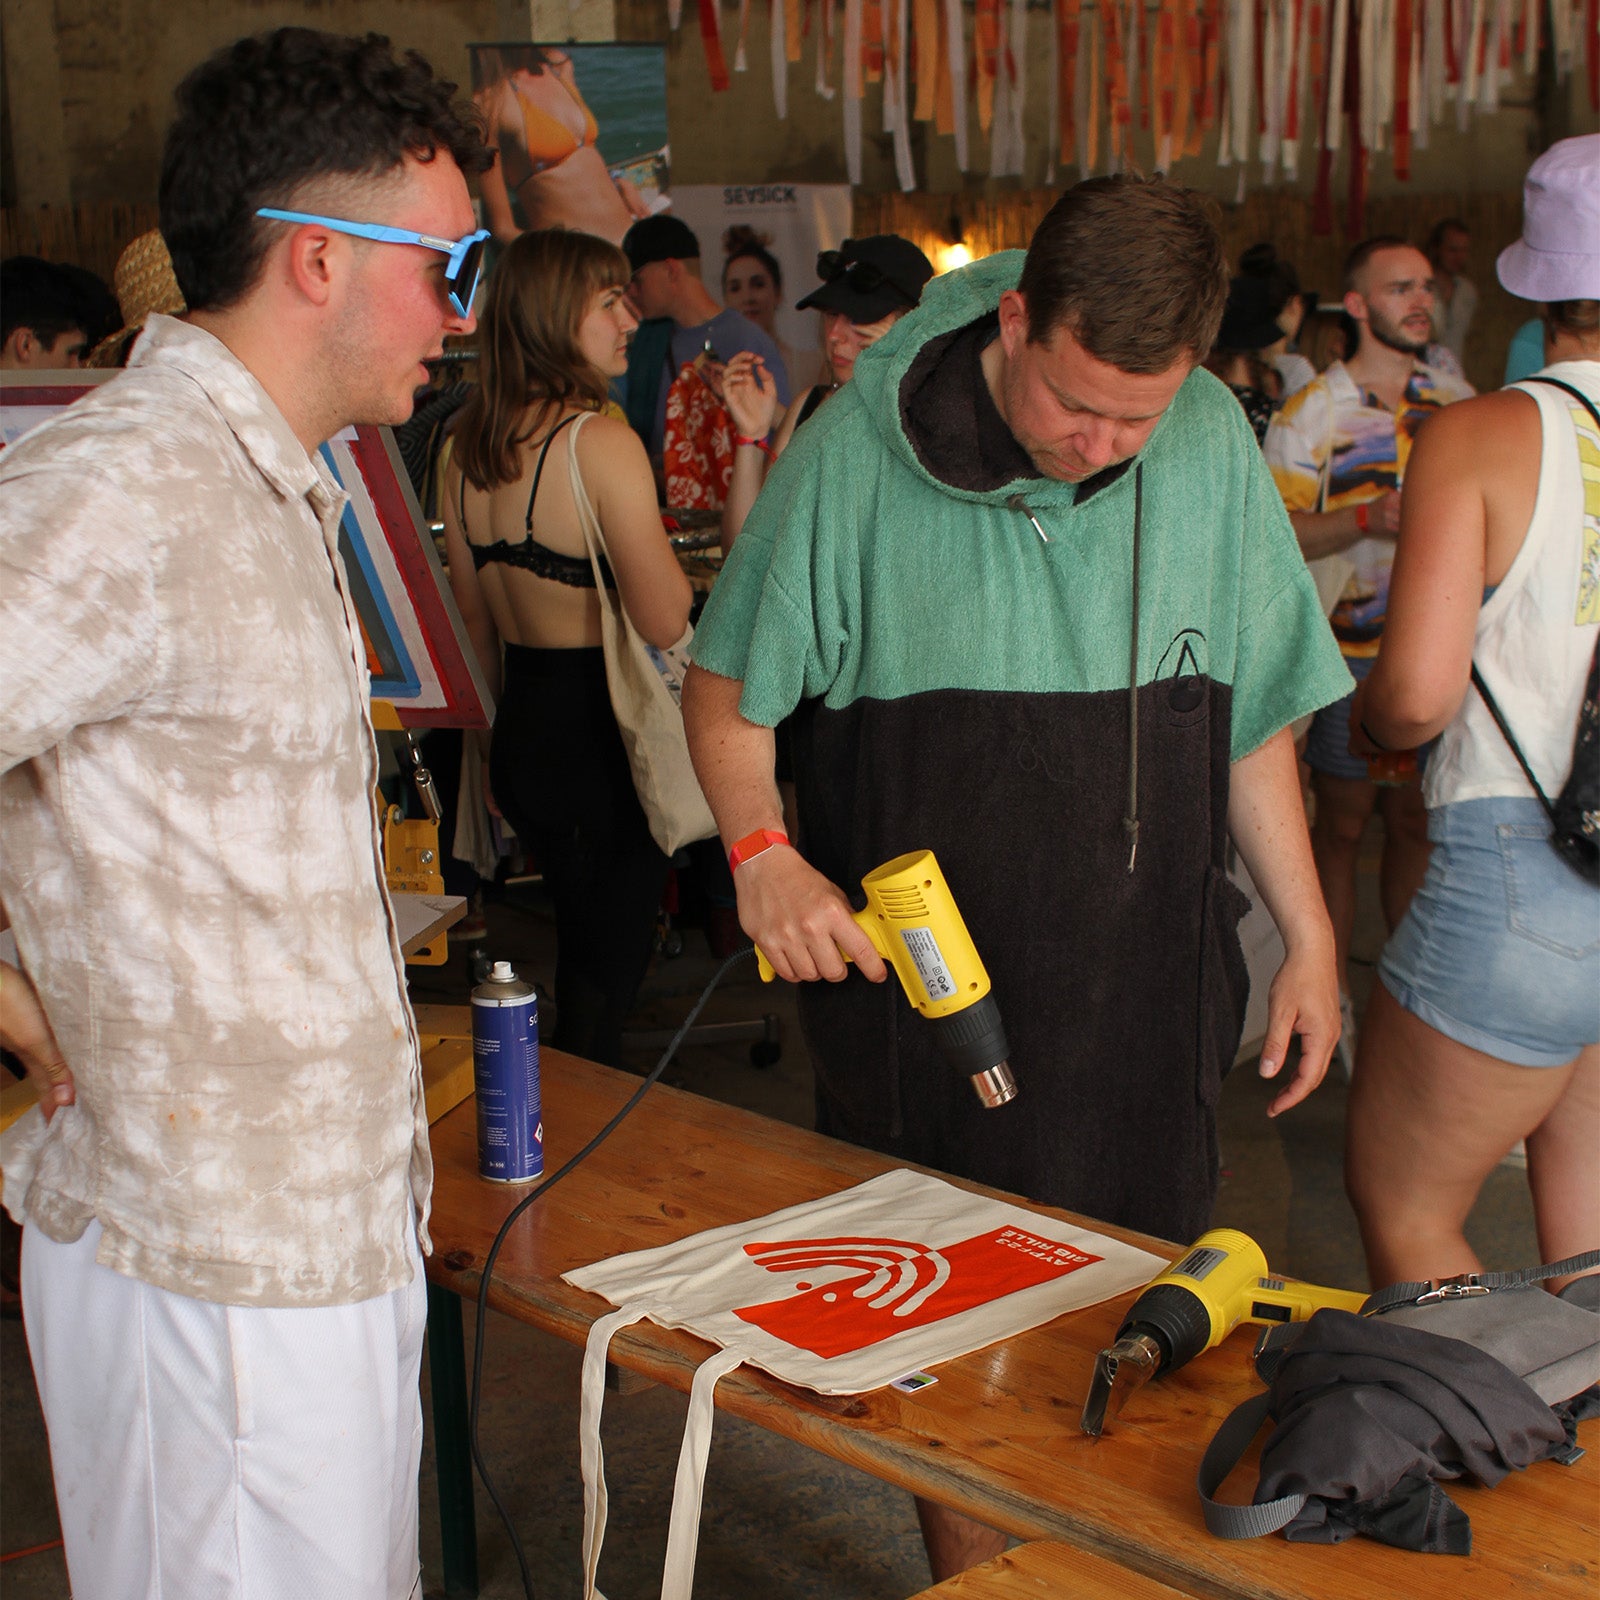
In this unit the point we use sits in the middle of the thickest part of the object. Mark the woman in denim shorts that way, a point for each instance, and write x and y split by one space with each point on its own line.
1485 1025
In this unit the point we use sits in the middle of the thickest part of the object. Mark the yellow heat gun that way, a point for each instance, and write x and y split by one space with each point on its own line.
912 921
1195 1304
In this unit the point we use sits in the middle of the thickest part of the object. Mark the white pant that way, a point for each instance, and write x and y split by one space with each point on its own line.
226 1452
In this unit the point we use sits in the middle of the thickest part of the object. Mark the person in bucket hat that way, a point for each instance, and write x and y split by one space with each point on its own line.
1484 1026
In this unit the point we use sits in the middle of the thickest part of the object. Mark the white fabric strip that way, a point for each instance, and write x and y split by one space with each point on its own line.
688 1489
955 38
590 1456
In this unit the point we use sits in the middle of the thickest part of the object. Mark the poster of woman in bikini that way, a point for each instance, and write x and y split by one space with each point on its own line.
581 132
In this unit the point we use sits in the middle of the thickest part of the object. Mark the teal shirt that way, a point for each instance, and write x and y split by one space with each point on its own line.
859 574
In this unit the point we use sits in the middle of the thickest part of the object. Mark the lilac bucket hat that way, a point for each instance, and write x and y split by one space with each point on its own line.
1558 255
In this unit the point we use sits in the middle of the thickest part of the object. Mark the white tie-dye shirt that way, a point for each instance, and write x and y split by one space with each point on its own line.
190 853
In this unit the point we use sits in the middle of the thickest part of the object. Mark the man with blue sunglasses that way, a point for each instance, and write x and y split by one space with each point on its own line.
230 1154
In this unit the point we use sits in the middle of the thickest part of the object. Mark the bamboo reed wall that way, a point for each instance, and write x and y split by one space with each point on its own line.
1494 220
91 236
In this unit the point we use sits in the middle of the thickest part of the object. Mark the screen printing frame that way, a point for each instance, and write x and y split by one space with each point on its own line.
424 670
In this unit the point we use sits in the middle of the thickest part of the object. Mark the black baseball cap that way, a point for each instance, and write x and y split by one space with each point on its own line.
659 238
868 278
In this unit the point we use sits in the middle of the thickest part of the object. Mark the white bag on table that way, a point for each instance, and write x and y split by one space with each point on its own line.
841 1294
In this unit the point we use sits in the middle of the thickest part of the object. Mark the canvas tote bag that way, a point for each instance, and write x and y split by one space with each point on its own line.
645 686
841 1294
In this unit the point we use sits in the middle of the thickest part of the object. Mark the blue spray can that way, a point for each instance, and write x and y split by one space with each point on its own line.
505 1070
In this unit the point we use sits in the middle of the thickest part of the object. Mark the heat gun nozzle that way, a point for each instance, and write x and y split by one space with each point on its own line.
974 1040
995 1085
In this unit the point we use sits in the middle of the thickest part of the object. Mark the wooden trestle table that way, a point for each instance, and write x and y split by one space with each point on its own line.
996 1438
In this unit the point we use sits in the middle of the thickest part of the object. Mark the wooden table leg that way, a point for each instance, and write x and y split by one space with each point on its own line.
447 1371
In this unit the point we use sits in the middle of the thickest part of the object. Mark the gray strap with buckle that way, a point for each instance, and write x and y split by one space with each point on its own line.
1473 1283
1221 1457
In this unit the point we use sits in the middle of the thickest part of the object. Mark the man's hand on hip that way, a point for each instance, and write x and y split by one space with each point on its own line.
801 921
25 1031
1304 1000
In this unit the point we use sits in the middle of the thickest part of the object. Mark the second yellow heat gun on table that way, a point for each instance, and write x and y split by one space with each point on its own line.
1196 1303
912 921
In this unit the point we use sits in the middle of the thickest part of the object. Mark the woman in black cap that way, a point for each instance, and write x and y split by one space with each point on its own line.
867 286
1239 357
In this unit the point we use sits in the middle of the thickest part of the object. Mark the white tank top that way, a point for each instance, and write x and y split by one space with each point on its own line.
1536 633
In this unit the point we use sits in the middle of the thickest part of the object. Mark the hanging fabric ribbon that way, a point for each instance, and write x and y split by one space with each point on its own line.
953 69
1161 84
852 90
895 87
1404 45
1052 139
925 41
872 41
1068 30
1119 117
791 31
1270 83
986 53
1355 217
711 40
1191 80
740 64
825 50
777 35
1091 141
1016 65
674 14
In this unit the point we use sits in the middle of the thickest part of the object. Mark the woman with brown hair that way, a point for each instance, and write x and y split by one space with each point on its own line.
555 328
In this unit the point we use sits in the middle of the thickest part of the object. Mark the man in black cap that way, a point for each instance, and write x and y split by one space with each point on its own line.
665 257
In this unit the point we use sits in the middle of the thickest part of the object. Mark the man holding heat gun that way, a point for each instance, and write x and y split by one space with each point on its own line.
1031 593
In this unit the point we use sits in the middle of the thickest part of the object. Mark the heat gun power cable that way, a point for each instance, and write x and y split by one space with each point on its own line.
505 1228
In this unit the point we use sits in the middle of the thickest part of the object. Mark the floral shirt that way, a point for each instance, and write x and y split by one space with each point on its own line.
1333 445
192 862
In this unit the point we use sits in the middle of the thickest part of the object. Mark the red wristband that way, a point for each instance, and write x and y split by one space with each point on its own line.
1363 517
753 844
765 447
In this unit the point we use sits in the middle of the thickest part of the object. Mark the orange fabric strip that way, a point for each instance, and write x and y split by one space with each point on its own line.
711 39
944 96
925 32
872 41
1068 30
791 30
986 58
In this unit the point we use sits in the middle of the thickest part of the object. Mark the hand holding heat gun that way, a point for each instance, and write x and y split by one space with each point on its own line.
1195 1304
912 921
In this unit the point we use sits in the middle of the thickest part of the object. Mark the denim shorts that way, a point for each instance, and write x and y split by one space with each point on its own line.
1500 950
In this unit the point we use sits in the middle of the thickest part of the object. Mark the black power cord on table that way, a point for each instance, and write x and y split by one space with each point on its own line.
517 1210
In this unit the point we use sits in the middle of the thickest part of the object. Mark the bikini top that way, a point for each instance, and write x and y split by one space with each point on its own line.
528 554
550 140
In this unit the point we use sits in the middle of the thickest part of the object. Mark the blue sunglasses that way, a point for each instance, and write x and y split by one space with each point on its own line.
465 265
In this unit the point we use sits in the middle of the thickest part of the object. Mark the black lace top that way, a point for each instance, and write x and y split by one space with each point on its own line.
528 554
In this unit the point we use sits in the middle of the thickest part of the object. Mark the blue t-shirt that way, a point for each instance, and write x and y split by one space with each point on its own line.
1526 353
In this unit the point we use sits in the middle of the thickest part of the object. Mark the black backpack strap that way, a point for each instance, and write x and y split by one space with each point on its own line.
1576 393
1510 738
1222 1455
1473 1283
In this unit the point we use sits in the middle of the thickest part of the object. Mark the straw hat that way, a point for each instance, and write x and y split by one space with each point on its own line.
145 285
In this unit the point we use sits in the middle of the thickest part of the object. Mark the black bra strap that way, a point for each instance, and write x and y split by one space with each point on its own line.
538 471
